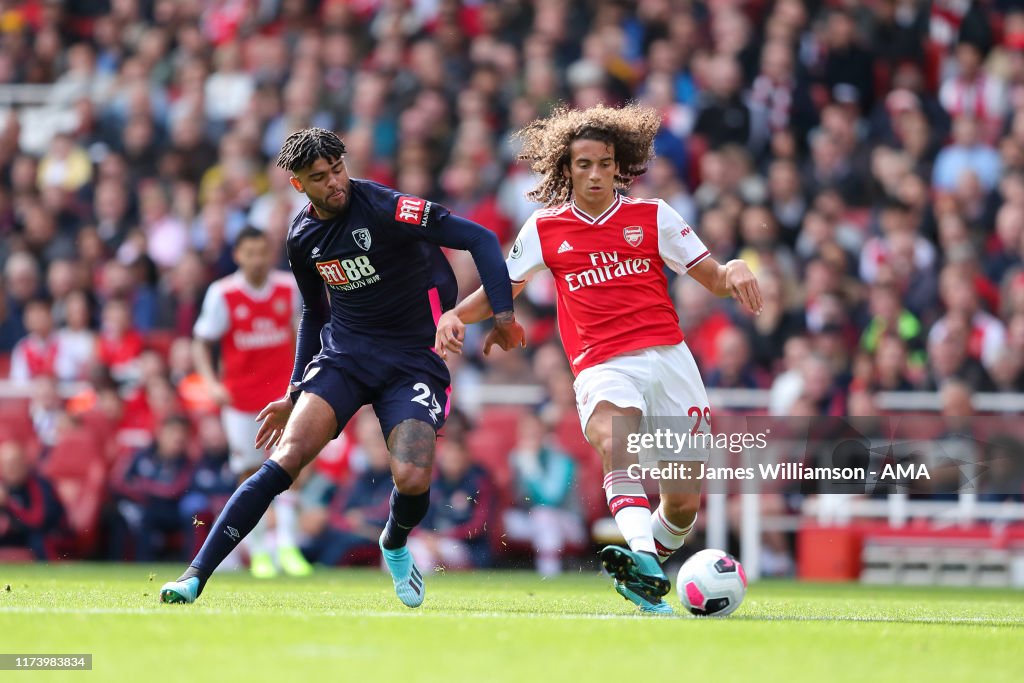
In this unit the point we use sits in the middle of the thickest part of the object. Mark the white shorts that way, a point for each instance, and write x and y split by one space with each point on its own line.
663 382
241 429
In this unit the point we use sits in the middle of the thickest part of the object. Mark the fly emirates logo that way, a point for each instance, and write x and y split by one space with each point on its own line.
606 266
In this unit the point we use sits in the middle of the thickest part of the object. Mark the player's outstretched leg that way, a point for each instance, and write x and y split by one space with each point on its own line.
411 444
638 577
406 512
181 591
669 536
236 520
405 574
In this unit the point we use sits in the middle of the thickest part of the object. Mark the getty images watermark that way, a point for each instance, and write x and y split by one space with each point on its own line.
874 455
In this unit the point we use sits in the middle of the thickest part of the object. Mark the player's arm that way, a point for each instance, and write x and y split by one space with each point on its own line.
524 260
496 294
729 279
211 325
456 232
202 358
315 314
684 252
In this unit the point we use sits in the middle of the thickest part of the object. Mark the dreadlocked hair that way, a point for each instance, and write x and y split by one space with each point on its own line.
303 147
546 142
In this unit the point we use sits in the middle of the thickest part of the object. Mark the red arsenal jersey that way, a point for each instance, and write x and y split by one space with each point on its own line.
256 329
609 273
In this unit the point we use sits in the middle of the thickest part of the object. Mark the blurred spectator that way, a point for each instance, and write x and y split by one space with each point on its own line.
462 503
819 387
769 332
701 321
35 355
734 369
985 333
892 370
49 418
966 154
848 70
1002 476
948 357
723 117
544 511
889 317
148 487
76 341
1006 247
31 515
786 199
21 284
65 167
972 92
119 344
779 99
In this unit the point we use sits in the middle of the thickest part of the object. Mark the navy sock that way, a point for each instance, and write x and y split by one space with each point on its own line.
248 504
406 512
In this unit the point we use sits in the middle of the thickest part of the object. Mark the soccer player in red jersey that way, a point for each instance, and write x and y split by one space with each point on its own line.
618 325
252 314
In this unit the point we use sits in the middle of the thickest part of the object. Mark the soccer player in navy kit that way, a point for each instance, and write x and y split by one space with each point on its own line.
374 282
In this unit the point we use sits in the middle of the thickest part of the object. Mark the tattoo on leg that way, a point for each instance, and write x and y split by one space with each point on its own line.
412 442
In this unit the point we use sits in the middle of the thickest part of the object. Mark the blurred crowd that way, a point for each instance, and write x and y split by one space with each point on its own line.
865 158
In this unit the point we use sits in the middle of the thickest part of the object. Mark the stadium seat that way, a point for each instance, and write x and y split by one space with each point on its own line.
492 439
16 425
16 555
103 431
160 341
77 469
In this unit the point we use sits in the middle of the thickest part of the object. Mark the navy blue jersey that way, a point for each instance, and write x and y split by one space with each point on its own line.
383 271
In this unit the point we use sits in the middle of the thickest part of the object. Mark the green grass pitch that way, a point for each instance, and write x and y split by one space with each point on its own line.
347 625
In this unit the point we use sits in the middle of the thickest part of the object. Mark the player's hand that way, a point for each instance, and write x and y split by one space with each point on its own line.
220 394
273 418
743 285
450 333
506 333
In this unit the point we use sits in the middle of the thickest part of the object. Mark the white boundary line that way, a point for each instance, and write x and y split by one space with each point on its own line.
201 611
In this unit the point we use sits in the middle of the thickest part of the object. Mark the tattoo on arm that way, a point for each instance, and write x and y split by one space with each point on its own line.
412 442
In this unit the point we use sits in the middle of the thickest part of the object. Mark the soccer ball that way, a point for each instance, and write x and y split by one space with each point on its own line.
711 583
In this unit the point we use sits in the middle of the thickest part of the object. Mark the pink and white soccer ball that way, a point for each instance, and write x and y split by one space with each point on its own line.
711 583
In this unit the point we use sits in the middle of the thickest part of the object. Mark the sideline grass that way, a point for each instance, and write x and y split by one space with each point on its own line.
347 625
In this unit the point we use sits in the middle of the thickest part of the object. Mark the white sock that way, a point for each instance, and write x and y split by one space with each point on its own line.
257 538
549 565
287 517
668 537
632 511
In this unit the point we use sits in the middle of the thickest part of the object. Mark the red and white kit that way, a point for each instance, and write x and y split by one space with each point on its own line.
618 324
256 331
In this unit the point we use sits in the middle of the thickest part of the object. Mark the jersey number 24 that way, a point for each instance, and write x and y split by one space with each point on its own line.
421 397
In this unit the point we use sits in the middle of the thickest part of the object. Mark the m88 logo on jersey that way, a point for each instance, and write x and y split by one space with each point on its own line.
343 271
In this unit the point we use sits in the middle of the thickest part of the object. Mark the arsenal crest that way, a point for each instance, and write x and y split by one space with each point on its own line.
362 238
634 235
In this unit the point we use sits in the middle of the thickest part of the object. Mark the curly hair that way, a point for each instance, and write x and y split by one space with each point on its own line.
546 142
305 146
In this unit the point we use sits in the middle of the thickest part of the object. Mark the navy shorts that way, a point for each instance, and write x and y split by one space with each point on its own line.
400 384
